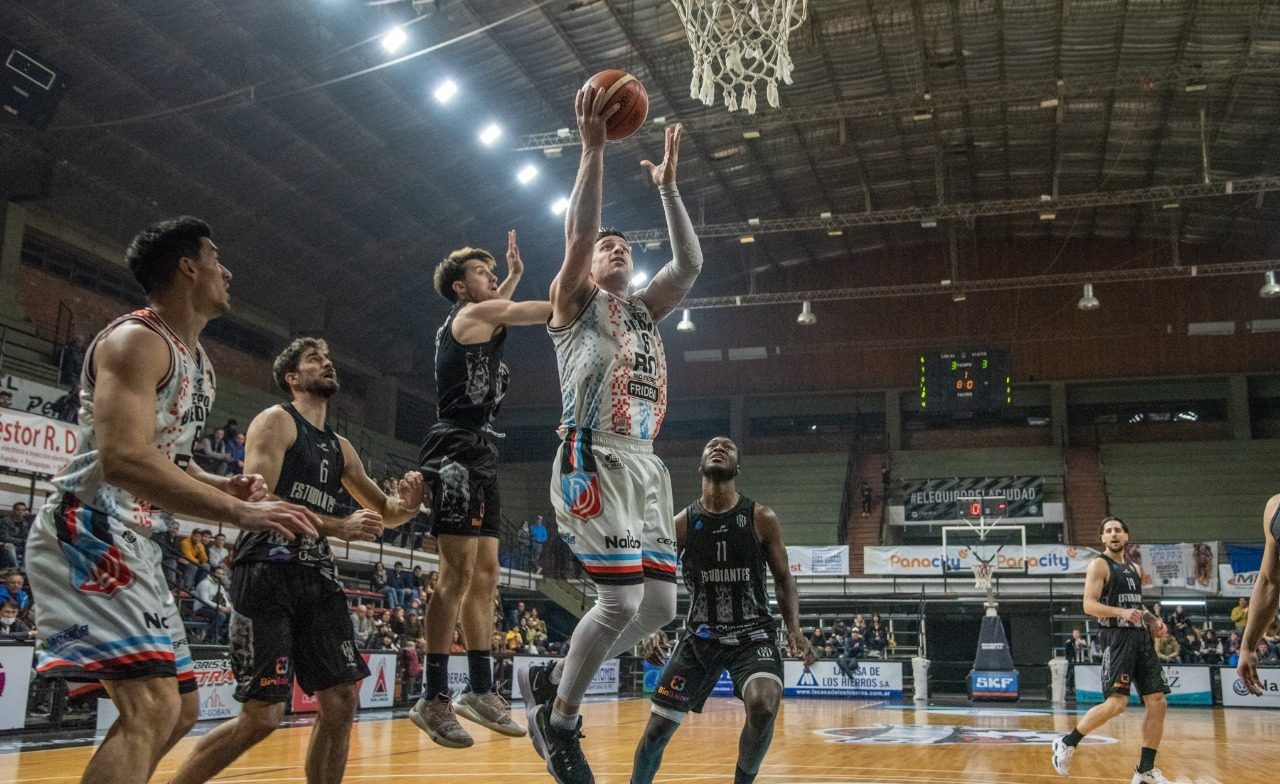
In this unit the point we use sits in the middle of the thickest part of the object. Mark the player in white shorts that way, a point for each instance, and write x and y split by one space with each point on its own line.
104 609
612 495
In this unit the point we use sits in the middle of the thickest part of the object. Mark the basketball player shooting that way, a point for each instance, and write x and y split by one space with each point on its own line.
611 494
1113 595
1264 601
725 540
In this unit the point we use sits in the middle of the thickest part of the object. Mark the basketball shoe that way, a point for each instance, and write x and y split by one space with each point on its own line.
436 718
563 749
537 690
1153 776
1062 757
488 710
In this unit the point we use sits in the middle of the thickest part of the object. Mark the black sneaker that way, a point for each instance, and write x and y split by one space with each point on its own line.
564 757
537 690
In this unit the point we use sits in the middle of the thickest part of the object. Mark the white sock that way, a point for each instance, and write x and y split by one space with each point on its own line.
564 721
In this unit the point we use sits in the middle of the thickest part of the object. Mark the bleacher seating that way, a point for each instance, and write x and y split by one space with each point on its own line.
1178 492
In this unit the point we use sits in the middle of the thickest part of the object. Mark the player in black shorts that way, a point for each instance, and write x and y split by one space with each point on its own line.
725 540
1264 601
460 460
290 614
1113 595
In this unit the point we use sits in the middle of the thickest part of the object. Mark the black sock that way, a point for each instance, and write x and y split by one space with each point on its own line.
740 776
436 681
1073 739
1148 760
480 671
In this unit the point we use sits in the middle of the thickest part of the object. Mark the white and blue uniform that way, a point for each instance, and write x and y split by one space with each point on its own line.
611 494
105 610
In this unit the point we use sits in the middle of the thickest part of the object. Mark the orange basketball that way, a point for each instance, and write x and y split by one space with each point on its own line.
624 89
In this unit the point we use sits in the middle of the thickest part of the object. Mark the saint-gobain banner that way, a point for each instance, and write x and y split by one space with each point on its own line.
819 560
1235 695
605 681
881 679
1189 565
217 689
935 499
1233 583
1190 685
926 560
35 444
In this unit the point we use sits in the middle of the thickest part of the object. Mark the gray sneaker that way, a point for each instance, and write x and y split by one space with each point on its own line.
488 710
435 717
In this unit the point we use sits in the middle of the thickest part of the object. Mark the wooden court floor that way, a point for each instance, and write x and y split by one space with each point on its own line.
815 742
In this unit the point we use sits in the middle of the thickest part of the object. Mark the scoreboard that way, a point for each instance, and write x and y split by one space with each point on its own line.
965 381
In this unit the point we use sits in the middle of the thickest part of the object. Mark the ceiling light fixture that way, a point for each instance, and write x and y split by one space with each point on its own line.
747 239
393 39
1270 289
559 206
445 91
490 134
639 278
686 324
1087 300
958 296
527 175
806 317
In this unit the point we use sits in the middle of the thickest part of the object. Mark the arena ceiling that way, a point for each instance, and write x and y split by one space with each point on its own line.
933 129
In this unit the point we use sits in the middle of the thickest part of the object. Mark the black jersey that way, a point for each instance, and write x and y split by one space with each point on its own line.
1122 589
470 379
310 476
723 566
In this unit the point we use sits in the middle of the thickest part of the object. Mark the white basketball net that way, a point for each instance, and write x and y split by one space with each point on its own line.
737 43
982 576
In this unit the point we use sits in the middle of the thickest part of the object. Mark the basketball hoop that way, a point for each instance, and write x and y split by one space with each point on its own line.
982 575
737 43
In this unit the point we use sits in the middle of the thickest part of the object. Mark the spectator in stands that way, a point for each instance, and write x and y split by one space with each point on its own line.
211 453
13 535
415 625
429 586
877 637
1231 650
866 498
363 624
1210 648
1240 614
1168 650
378 583
398 621
538 532
67 407
1267 654
213 606
11 626
235 450
853 649
1180 616
170 544
1191 648
1158 611
71 360
860 623
816 639
886 478
14 590
6 398
418 581
1077 648
514 639
194 559
515 615
218 552
230 430
402 581
457 646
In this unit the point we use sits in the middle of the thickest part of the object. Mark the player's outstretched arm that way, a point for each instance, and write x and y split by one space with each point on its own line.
496 313
394 510
1262 603
515 268
784 585
128 365
674 280
572 286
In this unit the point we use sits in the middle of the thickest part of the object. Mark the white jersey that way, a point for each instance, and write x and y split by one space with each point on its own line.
613 370
183 400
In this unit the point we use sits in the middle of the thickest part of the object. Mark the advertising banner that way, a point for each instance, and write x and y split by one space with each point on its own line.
15 679
936 499
35 444
1235 695
1233 583
819 560
1188 565
1191 684
606 680
1043 560
30 397
217 689
880 679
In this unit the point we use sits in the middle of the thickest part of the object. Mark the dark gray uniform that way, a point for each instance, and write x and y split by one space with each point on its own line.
1128 652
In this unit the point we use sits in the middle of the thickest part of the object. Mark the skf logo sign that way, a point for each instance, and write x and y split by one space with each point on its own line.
994 682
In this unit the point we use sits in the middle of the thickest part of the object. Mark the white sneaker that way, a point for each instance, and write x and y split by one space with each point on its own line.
1153 776
1062 757
435 717
488 710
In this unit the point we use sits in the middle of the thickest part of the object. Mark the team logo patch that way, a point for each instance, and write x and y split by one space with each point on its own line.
581 493
97 567
611 460
945 735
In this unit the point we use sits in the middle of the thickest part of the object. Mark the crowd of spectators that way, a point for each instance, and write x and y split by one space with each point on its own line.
17 609
14 527
848 642
222 451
